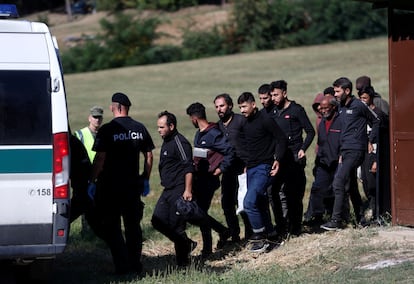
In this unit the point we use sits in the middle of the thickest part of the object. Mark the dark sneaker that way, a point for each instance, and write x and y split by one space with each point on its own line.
315 221
183 257
257 237
224 236
205 255
235 239
332 225
258 246
364 222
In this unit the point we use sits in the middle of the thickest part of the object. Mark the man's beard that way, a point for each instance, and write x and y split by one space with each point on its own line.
226 116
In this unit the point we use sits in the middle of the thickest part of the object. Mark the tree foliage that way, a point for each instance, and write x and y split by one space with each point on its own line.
264 24
125 42
254 25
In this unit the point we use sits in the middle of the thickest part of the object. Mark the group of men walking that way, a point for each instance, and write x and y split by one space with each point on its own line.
268 145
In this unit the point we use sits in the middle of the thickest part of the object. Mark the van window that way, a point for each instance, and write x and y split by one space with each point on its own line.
25 108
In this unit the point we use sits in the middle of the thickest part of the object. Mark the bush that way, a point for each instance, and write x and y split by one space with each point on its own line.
163 54
255 25
203 44
262 24
89 57
125 42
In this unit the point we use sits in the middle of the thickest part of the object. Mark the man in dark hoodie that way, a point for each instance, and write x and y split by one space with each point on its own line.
212 156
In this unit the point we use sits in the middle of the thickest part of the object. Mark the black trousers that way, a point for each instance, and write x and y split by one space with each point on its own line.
229 190
344 184
171 225
126 205
321 195
291 182
204 187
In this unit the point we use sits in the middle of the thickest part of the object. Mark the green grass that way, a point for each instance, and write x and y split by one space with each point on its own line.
154 88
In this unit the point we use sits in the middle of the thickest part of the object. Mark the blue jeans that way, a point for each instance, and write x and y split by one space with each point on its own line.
256 203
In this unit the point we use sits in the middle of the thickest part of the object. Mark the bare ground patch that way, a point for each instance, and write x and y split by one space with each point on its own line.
172 27
373 245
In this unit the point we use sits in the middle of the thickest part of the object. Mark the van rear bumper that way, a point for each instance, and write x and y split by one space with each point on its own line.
30 241
31 251
25 234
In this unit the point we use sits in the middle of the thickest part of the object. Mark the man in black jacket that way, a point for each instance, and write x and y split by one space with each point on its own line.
293 120
176 173
212 156
326 162
231 124
265 146
355 116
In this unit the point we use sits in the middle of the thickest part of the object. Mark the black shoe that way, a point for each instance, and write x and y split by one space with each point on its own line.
183 258
206 255
257 237
315 221
224 236
332 225
364 222
258 246
235 239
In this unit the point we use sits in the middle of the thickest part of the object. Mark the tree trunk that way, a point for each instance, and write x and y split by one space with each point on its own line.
68 10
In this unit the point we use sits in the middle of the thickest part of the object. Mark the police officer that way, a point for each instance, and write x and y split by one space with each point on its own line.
118 184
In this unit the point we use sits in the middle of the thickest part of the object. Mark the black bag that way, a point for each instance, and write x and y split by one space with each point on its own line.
189 210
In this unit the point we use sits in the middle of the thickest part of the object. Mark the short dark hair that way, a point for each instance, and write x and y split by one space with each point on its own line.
343 83
171 119
367 90
362 82
264 89
280 84
329 91
226 98
197 109
245 97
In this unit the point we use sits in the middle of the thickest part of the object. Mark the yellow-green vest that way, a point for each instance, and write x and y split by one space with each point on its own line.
87 138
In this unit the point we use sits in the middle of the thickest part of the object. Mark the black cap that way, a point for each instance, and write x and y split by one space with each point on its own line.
121 98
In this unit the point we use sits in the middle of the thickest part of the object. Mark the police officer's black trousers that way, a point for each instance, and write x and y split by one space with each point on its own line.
126 252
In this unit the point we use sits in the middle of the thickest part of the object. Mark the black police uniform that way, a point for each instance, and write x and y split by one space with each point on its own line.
119 188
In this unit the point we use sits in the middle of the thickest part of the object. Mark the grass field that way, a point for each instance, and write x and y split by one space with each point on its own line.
326 258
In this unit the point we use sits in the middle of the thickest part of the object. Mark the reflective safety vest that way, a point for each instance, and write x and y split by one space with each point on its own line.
87 138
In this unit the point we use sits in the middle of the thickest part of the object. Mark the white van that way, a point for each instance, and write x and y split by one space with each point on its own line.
34 144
